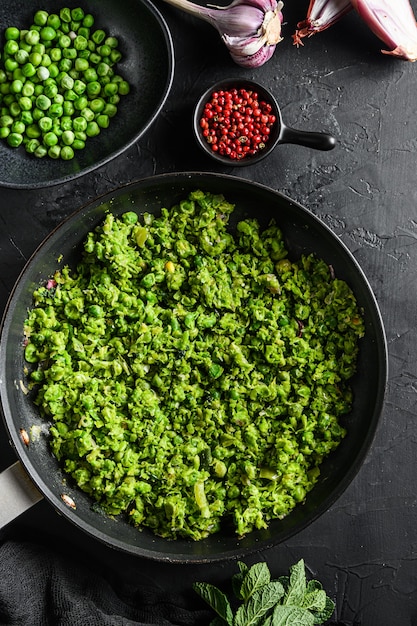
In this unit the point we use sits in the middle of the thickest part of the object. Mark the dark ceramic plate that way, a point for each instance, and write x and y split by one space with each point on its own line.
304 233
148 65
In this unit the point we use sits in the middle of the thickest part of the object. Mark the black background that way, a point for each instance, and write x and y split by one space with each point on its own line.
363 549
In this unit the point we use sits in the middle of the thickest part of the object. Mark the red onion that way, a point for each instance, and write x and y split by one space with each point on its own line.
320 15
393 22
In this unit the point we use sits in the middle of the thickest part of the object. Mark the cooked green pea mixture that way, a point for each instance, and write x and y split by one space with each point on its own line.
193 376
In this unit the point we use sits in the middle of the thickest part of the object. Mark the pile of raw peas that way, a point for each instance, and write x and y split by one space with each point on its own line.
58 84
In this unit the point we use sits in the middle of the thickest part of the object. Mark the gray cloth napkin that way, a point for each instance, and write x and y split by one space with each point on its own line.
41 586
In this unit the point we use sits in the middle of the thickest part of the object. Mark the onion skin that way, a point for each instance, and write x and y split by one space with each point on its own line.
321 14
393 22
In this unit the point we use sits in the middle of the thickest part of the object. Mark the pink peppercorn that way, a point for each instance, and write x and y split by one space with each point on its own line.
236 123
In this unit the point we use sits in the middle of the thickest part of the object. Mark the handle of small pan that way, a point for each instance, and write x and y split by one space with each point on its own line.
308 139
17 493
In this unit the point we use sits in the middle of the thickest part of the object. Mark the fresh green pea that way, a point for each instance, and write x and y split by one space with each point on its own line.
68 137
32 37
69 53
79 124
67 153
80 135
16 86
66 82
4 90
84 32
64 41
25 103
79 86
124 88
98 36
53 70
40 18
53 21
65 15
110 89
90 75
81 64
43 102
50 139
12 33
38 48
66 123
21 56
54 151
37 114
97 105
32 145
56 110
110 110
11 47
46 61
88 20
55 54
93 129
18 127
65 65
7 120
29 70
4 132
51 90
33 131
88 114
68 107
115 56
10 64
14 140
93 88
28 89
47 33
112 42
42 72
103 120
104 50
45 124
80 103
78 144
35 58
80 43
41 151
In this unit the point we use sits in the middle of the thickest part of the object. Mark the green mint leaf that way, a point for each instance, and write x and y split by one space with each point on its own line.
216 599
237 579
292 616
256 577
297 585
315 600
326 613
258 605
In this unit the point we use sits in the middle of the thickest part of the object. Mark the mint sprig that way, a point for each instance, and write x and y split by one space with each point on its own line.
289 601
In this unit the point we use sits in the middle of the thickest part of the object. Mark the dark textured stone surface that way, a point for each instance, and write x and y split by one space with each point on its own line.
363 548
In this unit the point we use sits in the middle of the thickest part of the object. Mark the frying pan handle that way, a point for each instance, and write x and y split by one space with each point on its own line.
318 141
17 493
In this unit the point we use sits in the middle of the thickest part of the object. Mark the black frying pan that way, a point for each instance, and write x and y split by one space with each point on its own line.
304 233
